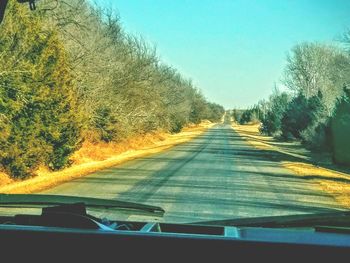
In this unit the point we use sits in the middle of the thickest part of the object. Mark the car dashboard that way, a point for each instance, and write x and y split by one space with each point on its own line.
85 236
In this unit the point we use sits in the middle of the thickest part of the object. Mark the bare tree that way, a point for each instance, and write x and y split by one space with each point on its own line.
314 69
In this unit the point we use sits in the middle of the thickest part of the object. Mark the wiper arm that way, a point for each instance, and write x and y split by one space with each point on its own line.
36 200
338 218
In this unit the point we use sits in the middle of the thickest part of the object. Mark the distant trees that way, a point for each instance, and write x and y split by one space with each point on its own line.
248 116
316 75
236 114
215 112
314 69
274 109
122 74
71 74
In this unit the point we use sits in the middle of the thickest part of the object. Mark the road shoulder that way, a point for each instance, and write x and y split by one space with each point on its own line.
294 157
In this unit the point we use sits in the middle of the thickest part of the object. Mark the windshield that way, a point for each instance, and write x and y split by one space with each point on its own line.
210 110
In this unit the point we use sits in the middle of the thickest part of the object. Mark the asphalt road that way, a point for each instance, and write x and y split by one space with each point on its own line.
216 176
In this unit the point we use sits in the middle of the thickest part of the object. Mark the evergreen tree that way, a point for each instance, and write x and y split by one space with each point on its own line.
41 120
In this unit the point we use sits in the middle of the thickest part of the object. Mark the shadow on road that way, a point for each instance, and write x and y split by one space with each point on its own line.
218 175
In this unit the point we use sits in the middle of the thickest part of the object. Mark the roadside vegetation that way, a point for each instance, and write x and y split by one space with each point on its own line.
315 106
70 75
306 127
95 157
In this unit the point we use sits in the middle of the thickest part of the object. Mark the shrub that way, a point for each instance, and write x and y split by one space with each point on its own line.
105 124
340 126
42 120
299 114
272 120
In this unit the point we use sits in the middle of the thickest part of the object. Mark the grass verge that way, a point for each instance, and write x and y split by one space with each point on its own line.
333 182
94 157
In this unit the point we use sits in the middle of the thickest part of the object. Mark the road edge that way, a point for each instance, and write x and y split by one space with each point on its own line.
330 181
40 183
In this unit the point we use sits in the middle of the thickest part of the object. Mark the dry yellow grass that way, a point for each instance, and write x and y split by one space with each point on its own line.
332 182
5 179
92 158
251 133
101 151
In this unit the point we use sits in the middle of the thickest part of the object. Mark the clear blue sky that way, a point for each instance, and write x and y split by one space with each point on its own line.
234 50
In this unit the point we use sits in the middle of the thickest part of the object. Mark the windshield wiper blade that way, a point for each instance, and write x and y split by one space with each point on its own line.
337 218
38 200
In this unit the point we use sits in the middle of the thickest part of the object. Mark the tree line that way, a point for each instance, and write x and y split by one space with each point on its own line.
315 106
70 73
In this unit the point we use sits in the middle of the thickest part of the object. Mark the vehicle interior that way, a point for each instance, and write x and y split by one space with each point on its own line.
70 228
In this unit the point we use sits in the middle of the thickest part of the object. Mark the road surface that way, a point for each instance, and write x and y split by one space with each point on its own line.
216 176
